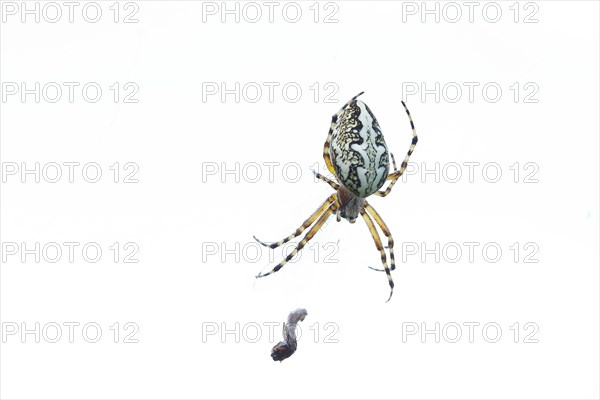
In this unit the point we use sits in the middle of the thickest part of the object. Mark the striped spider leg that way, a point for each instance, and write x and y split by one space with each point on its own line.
327 208
355 152
309 221
397 174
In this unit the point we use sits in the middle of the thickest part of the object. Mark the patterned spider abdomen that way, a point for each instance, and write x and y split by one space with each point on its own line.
358 151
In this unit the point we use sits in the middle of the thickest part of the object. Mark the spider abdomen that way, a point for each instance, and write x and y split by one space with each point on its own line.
358 151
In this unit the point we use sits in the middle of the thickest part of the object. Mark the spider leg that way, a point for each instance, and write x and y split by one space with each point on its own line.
331 183
309 235
379 246
393 163
386 232
334 119
309 221
397 174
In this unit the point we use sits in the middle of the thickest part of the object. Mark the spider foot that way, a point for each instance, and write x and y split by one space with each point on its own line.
392 268
319 176
389 298
271 245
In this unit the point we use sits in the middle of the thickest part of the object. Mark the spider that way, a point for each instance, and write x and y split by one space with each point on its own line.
356 154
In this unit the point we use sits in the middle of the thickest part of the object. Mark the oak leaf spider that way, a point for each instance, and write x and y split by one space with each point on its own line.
356 154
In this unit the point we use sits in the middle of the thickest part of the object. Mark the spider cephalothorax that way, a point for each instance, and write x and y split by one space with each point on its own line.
356 154
350 205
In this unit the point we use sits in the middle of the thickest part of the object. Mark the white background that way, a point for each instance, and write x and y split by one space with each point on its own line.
174 214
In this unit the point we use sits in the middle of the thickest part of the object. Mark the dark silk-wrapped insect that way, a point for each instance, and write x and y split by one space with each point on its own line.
288 346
